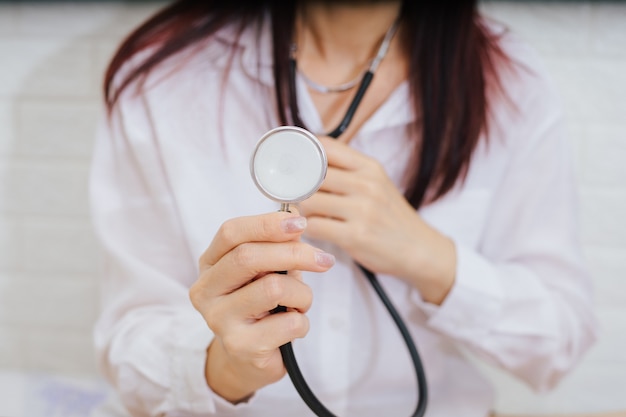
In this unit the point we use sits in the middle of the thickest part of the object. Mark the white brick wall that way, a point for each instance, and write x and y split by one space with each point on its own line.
583 45
52 58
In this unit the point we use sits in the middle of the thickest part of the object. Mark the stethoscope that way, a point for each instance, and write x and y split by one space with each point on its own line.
288 165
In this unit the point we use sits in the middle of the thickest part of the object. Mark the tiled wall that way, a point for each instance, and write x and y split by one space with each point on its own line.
51 63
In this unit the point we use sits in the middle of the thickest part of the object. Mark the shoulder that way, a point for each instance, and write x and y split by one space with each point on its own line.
232 48
525 98
187 99
523 75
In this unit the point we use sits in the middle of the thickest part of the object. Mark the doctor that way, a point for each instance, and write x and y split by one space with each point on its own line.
453 183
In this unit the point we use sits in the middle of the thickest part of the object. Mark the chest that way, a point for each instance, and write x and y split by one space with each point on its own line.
332 108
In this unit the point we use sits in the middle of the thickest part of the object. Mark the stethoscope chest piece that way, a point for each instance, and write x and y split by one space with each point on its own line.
288 164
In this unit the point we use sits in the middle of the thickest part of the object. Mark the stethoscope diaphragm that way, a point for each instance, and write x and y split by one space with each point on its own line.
288 164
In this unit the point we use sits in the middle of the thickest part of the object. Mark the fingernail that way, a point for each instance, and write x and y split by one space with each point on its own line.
324 259
293 224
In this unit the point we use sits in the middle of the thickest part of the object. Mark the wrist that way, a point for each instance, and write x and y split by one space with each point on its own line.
434 268
222 378
441 271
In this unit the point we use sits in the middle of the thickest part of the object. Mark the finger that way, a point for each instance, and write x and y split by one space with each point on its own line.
265 336
255 300
342 156
277 329
338 181
272 290
249 260
329 229
272 227
328 205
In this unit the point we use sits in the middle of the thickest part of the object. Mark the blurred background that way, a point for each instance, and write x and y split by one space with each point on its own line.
52 58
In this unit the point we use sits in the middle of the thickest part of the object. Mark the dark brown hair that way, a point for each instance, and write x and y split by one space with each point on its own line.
454 62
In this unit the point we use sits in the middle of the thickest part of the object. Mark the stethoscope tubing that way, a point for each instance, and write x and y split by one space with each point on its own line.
286 350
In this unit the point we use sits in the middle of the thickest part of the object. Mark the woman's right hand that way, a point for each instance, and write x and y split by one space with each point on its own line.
237 288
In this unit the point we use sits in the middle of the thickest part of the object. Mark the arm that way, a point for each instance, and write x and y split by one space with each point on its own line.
164 355
521 297
238 288
150 342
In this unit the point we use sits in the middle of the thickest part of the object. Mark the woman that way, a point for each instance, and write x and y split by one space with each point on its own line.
452 183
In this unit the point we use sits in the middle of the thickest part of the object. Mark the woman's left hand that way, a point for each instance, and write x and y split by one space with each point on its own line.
359 209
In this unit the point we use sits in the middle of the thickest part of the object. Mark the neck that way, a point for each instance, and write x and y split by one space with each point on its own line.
343 31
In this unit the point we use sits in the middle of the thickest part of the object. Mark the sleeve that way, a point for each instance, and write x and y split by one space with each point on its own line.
150 342
522 299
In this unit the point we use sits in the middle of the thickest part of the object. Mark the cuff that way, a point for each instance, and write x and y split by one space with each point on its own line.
190 390
474 302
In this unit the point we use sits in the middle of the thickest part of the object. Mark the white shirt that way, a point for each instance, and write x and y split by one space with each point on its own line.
173 164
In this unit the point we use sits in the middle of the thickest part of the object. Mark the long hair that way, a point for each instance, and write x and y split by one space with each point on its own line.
454 62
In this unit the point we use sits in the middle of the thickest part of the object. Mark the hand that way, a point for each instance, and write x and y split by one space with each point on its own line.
359 209
236 290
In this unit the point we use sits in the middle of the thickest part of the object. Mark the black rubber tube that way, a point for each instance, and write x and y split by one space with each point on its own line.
289 358
286 350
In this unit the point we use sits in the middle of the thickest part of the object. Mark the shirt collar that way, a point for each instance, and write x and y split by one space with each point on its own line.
255 52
